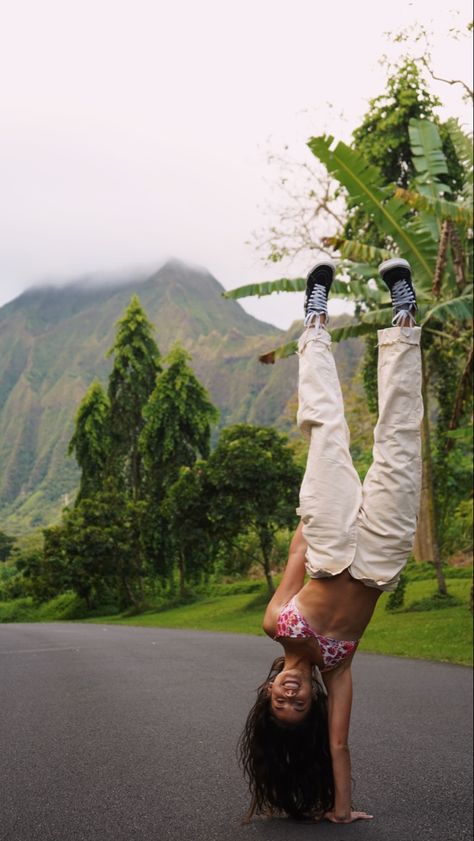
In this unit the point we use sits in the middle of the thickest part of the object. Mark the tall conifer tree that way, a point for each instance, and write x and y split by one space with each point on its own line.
90 442
178 416
178 420
131 382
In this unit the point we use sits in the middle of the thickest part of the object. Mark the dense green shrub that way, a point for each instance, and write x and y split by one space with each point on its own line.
426 571
458 530
397 598
65 606
19 610
435 602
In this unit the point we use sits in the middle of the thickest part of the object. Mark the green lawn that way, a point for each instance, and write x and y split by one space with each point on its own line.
441 634
434 635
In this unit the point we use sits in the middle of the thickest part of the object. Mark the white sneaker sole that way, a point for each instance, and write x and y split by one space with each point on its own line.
393 263
329 263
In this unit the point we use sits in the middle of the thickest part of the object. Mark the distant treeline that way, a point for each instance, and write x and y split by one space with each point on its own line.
155 508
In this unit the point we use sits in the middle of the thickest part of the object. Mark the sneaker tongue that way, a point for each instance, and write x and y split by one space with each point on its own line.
398 273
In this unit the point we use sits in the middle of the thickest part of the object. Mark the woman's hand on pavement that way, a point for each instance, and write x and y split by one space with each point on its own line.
353 816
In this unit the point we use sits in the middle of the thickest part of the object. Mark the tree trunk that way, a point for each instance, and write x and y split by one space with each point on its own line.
426 540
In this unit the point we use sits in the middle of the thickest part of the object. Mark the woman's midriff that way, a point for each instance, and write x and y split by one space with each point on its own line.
340 607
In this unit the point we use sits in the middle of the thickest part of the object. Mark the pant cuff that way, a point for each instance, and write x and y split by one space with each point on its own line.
314 334
406 335
385 586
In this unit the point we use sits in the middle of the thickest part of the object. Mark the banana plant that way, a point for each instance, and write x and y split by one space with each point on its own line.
425 227
458 212
410 219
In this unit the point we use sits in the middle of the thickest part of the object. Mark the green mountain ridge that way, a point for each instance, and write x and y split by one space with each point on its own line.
52 346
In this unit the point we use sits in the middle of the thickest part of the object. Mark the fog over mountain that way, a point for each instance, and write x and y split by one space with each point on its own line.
53 341
135 130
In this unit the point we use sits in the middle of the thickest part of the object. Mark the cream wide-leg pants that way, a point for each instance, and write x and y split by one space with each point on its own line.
368 529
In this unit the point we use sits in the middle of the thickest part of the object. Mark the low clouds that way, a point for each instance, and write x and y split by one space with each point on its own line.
135 131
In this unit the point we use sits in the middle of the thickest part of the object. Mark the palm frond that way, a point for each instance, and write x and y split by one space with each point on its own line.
457 309
352 331
460 214
339 288
462 142
367 271
360 251
372 320
362 181
428 156
267 287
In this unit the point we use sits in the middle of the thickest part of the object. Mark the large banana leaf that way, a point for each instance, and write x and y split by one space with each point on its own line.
351 250
431 167
457 309
433 209
339 288
370 321
284 284
362 181
459 213
428 156
353 331
462 143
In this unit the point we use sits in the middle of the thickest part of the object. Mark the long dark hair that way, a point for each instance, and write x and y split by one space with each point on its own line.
288 767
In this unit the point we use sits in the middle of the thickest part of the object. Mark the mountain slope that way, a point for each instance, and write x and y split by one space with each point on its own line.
53 343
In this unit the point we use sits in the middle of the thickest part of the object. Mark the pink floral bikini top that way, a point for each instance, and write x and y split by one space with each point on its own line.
292 624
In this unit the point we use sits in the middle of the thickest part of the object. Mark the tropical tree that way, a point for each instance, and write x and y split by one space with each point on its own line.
95 551
435 235
255 482
178 418
186 509
7 543
44 573
90 442
136 363
312 206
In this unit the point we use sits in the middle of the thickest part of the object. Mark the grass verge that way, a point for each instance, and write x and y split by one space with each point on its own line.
432 634
444 634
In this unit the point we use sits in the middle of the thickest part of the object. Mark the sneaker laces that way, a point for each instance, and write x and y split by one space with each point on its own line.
400 316
318 300
315 318
403 302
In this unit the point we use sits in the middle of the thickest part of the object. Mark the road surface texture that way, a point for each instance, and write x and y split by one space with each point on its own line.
120 733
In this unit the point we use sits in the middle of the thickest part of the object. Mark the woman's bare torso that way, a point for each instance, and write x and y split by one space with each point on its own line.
340 607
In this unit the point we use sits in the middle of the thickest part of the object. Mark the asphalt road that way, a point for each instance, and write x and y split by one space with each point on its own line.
129 734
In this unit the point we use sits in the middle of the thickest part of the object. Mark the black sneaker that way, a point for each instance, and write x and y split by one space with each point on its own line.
396 273
318 284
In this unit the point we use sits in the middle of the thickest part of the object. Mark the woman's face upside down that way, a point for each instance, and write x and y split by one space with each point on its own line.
291 694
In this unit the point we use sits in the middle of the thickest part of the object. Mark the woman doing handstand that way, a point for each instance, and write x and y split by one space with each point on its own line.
353 540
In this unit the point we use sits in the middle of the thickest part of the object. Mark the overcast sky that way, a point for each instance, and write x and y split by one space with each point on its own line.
134 131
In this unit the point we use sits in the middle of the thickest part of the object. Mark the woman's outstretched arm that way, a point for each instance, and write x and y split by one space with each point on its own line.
339 688
291 583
